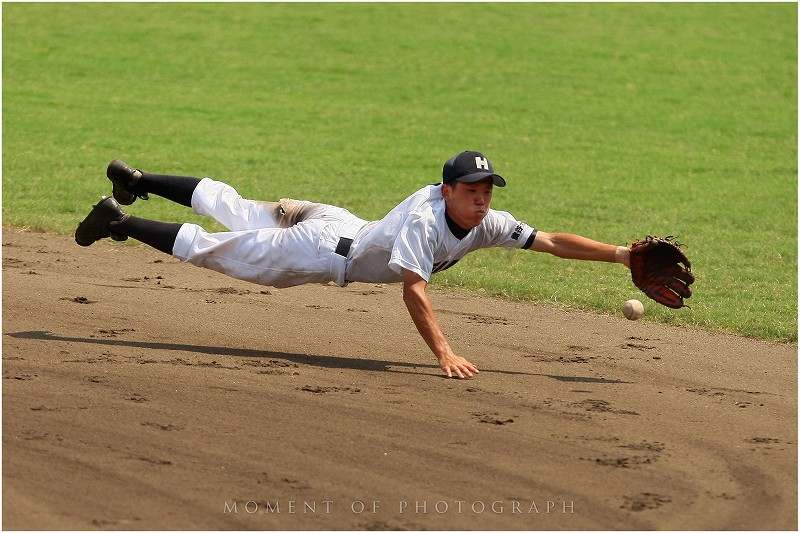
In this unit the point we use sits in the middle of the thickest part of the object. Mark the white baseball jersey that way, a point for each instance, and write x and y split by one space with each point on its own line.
292 242
416 236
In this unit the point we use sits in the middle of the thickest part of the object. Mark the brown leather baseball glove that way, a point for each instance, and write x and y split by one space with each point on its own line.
661 270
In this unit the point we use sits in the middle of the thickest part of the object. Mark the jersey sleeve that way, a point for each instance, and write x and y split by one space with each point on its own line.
413 248
505 231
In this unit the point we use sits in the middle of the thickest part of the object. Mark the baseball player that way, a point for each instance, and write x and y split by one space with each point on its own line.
292 242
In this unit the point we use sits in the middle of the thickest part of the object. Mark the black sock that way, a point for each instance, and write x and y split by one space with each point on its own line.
159 235
179 189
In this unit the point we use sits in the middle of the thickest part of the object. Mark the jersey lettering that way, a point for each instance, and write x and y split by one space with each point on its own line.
517 231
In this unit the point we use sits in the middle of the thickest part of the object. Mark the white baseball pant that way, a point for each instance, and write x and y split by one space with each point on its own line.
279 244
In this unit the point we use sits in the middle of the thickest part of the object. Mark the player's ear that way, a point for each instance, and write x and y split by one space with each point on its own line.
447 190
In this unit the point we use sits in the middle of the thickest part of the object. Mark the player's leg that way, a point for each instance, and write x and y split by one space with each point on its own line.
130 183
221 202
213 198
306 252
224 204
277 257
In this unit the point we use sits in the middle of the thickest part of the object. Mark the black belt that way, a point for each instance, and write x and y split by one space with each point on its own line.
343 248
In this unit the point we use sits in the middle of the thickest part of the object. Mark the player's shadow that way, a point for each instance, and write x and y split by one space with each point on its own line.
322 361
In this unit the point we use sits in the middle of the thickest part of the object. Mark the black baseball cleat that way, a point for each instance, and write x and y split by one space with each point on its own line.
124 178
96 224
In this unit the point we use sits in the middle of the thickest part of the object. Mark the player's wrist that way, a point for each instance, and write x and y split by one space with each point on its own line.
623 255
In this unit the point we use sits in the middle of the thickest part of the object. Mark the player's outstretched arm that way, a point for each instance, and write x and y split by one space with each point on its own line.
569 246
421 311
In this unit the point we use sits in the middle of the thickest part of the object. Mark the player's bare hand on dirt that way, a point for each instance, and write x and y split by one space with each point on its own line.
455 364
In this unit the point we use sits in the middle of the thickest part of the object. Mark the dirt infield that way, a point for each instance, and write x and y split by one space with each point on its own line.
142 393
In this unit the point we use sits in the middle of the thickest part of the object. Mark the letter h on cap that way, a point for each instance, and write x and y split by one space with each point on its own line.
482 162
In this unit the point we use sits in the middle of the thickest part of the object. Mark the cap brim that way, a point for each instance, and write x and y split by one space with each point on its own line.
478 176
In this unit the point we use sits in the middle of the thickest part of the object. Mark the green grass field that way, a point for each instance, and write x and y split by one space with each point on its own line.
613 121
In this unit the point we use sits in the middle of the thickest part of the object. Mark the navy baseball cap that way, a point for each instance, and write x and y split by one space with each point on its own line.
470 167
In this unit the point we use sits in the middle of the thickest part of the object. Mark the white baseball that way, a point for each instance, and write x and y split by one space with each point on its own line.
633 309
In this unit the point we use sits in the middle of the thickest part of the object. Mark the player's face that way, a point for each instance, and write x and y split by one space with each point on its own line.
468 203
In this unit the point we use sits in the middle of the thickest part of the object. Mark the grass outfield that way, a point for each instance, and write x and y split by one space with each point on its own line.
609 120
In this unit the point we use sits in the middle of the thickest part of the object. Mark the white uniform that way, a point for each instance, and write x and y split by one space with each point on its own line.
292 242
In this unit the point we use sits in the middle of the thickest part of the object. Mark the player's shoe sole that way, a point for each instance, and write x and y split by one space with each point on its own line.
124 178
96 224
